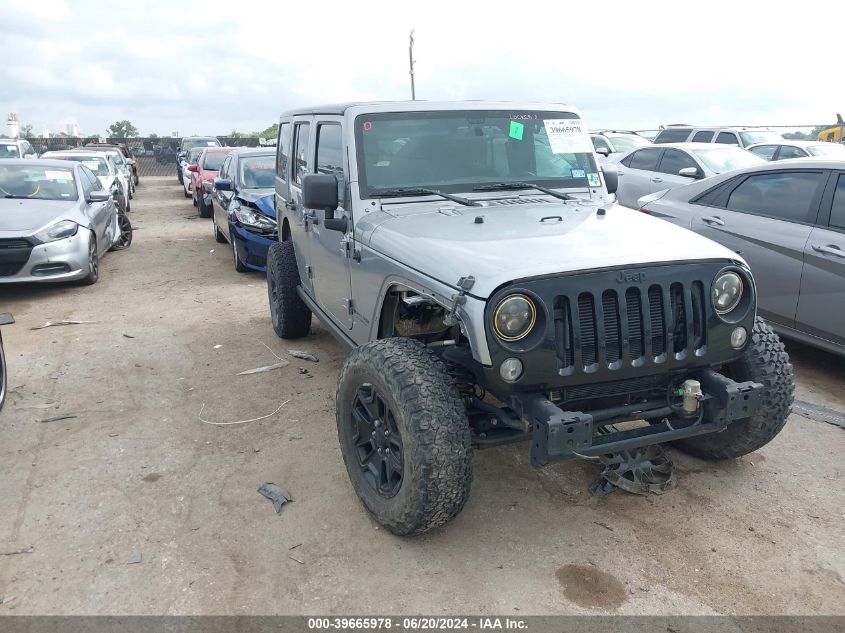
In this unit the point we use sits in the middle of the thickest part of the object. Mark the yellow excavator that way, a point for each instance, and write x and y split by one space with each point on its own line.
835 133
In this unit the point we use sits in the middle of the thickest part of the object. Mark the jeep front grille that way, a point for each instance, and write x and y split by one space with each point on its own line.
634 326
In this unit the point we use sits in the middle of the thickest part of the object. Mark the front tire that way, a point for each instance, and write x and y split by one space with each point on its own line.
3 378
765 361
93 263
239 265
124 227
218 236
205 210
404 435
291 317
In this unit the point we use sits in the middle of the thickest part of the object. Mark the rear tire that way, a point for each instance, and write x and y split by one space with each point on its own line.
765 361
404 435
291 317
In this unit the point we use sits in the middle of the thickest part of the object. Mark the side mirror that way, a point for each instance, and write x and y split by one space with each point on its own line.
99 196
604 151
611 177
30 155
689 172
193 168
319 191
223 184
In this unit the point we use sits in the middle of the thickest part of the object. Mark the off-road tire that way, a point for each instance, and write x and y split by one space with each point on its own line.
765 361
291 317
430 415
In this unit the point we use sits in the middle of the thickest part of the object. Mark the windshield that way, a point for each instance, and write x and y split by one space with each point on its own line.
455 151
625 142
193 155
9 151
213 161
37 183
258 172
827 149
199 142
97 164
722 159
750 138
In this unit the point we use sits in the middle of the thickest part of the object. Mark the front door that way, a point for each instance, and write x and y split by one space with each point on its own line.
635 176
822 301
220 199
767 218
330 250
301 163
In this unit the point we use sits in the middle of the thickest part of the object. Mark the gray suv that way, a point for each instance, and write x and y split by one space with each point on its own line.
470 258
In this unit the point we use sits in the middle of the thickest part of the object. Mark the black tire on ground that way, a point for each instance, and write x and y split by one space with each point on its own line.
125 228
179 174
218 236
425 480
185 191
766 362
239 265
205 210
291 317
93 263
137 180
3 377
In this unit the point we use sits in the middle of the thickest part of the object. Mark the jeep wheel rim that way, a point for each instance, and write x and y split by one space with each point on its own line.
377 441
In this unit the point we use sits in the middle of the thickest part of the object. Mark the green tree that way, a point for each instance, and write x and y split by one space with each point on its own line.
26 132
270 132
122 129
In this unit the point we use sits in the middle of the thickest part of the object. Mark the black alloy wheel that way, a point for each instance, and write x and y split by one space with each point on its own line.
378 443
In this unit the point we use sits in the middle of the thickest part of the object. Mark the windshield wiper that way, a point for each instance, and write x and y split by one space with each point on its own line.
505 186
421 191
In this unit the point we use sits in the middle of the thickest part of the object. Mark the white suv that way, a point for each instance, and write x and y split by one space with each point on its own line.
743 136
16 148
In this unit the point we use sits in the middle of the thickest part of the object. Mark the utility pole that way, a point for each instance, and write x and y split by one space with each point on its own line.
411 63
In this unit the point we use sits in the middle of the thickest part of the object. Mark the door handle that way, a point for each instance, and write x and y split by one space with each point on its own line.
829 249
657 180
290 206
713 219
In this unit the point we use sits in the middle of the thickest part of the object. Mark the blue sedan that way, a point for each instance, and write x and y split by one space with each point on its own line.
243 210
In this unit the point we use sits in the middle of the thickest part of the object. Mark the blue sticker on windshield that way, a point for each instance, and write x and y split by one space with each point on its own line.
579 173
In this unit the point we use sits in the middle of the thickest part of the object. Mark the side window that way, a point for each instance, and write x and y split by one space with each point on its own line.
788 151
600 143
674 160
783 195
645 159
89 181
837 212
282 149
224 168
673 135
300 151
727 138
766 152
703 136
330 153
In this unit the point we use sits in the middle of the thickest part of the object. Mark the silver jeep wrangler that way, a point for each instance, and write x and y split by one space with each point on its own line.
469 256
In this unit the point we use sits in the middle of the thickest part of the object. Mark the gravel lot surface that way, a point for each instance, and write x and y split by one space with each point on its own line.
135 506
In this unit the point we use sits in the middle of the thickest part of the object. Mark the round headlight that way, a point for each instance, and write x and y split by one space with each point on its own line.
727 292
514 318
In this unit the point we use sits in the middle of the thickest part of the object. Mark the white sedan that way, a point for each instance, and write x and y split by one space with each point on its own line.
668 165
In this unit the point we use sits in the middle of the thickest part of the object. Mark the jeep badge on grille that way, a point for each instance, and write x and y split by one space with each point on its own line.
630 278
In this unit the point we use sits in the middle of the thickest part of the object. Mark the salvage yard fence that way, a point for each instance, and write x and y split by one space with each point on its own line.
156 156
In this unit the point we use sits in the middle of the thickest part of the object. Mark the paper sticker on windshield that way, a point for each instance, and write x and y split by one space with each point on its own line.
594 180
211 144
567 136
579 173
91 164
62 176
516 130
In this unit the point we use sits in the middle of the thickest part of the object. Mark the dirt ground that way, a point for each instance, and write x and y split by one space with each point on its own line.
135 474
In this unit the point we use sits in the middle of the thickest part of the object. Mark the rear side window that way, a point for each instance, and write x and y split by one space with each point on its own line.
787 151
703 136
674 160
727 138
600 143
837 212
283 147
673 135
766 152
784 195
645 159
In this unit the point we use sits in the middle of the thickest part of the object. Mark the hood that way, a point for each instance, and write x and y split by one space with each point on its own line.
28 216
261 199
516 242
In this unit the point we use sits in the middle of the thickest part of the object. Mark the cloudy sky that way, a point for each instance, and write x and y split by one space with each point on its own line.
207 67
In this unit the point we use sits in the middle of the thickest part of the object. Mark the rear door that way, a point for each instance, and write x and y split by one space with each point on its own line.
99 212
767 219
790 151
766 152
822 303
673 161
635 174
331 250
728 138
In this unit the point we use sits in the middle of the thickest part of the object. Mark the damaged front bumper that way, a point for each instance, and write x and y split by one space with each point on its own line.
558 435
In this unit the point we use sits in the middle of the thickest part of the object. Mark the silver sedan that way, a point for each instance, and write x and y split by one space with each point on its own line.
56 221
